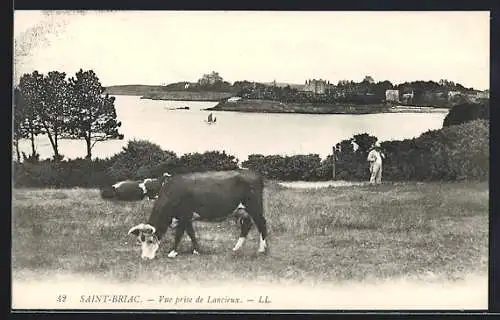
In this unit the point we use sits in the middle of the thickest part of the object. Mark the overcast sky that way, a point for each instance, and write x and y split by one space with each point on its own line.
154 47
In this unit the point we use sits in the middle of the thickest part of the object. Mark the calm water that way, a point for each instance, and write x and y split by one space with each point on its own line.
241 134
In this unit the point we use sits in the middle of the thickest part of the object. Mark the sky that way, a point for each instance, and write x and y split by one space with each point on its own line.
157 47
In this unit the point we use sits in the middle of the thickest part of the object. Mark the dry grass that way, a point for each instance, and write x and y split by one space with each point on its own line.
407 230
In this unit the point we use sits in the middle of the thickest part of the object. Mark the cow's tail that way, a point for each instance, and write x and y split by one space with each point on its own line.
258 194
261 196
264 226
108 193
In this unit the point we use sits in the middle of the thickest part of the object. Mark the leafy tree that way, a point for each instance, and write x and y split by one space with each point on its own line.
19 131
368 79
364 141
92 114
380 88
54 114
346 147
31 100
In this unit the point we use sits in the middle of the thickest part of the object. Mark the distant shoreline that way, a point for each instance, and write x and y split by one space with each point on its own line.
210 96
269 106
159 93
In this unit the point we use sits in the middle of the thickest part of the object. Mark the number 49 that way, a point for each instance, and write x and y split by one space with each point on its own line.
61 298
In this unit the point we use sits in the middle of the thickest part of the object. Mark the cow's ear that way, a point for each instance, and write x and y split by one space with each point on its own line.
136 230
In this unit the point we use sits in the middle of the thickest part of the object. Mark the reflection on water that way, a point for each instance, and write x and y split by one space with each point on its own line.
241 134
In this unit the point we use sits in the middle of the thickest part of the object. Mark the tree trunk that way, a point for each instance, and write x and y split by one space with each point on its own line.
89 148
56 145
18 154
333 163
53 142
33 149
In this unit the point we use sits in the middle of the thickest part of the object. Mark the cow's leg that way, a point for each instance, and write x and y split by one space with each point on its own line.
256 210
245 225
191 234
179 232
261 224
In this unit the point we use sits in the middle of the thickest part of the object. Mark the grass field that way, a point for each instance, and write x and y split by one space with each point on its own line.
353 233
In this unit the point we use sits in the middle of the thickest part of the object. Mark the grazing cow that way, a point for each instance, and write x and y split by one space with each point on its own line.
134 190
204 196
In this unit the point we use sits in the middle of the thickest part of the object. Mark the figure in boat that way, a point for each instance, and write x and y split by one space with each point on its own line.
211 119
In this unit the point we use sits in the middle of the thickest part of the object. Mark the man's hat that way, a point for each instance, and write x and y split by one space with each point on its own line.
375 145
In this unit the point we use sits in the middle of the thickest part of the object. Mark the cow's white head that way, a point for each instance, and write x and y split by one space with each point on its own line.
147 238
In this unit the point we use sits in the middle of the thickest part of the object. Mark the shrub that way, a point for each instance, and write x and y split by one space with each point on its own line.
270 166
140 159
36 174
467 112
351 164
452 153
301 167
84 173
210 160
325 170
297 167
62 174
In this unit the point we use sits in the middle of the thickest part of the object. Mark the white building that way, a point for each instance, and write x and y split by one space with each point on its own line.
233 99
452 94
392 95
316 86
483 94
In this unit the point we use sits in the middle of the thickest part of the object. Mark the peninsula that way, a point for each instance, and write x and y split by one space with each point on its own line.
271 106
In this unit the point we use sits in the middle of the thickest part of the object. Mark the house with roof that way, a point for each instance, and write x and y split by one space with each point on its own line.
316 86
392 96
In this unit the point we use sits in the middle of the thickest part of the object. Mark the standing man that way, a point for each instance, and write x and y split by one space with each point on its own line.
375 157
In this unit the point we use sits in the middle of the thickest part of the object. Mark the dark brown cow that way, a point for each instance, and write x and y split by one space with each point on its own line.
207 196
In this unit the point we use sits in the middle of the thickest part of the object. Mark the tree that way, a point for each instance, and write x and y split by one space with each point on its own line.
31 99
92 114
54 114
18 131
368 79
364 141
380 88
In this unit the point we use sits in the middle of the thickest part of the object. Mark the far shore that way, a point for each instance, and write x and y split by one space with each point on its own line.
210 96
269 106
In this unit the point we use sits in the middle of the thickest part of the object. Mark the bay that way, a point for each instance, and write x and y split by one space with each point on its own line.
239 133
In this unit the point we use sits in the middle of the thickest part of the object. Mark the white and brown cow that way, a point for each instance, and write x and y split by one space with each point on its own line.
134 190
